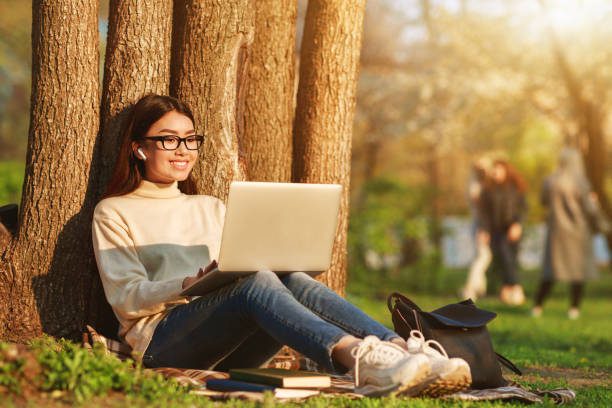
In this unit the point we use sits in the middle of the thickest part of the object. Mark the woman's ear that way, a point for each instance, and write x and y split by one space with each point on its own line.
138 152
134 147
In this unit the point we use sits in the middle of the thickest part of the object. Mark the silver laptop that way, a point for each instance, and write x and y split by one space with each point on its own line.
282 227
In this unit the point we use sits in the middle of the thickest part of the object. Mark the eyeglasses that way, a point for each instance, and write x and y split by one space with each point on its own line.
171 142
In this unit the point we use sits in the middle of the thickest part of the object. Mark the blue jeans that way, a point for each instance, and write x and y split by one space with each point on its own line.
246 323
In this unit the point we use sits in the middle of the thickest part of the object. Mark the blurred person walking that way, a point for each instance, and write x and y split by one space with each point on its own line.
476 284
572 220
503 208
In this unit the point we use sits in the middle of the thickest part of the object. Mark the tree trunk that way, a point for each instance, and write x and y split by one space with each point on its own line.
426 15
209 65
137 63
433 176
329 63
596 157
268 118
45 275
591 121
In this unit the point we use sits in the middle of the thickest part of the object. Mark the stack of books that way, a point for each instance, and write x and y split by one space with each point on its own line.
282 383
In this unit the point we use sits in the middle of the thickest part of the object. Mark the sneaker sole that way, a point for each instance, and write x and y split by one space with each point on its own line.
423 373
458 380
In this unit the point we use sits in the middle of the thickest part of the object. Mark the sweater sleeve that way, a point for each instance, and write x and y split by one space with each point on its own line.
126 284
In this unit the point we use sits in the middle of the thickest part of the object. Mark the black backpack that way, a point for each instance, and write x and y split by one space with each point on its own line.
461 329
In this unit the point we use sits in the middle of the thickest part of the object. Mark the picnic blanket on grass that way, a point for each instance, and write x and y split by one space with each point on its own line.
340 385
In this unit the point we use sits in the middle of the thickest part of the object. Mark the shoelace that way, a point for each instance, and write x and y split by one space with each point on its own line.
375 351
426 345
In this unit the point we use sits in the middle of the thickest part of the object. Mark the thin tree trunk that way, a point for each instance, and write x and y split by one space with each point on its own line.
45 277
591 121
329 63
435 231
268 118
137 63
431 29
209 65
433 174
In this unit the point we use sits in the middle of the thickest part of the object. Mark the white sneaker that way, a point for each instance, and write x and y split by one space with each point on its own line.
447 374
573 313
382 367
518 295
536 311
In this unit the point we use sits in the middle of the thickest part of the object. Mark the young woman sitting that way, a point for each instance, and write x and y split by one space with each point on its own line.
154 235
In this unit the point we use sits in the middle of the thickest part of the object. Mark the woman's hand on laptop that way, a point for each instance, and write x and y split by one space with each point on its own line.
188 281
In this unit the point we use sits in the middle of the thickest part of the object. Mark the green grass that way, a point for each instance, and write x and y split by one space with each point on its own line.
11 180
552 351
62 371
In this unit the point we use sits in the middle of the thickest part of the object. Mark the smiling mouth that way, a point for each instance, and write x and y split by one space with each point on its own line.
179 164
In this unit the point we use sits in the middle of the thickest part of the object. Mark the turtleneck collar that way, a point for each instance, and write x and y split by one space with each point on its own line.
157 190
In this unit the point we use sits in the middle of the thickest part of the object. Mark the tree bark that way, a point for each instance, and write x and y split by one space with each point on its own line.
5 238
329 63
137 63
268 118
45 274
209 65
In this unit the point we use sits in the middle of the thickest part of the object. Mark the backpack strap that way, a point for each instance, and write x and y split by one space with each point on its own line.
507 363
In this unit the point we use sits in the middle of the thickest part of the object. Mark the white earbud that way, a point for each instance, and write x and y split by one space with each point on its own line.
141 153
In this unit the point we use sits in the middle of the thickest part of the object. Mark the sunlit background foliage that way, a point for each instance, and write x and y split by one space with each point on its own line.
442 82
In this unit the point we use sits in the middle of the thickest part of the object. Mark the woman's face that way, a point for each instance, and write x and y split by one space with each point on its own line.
167 166
499 173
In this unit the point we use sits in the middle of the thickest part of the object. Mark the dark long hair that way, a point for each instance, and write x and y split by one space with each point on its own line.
129 171
512 176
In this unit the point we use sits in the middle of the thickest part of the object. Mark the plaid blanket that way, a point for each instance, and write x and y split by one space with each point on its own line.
515 392
341 385
113 347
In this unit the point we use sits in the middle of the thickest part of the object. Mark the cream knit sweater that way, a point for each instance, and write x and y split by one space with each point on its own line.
146 242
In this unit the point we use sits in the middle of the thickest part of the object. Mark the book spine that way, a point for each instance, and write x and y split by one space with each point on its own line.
278 382
231 385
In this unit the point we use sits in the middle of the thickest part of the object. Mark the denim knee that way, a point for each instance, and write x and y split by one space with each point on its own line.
264 279
260 283
296 278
